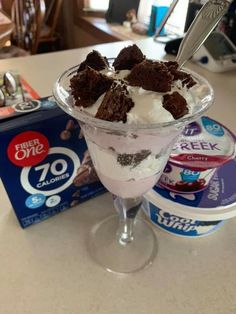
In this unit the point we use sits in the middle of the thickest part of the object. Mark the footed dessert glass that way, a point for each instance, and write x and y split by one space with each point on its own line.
129 160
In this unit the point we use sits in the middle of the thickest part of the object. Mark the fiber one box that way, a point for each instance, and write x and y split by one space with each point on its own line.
44 161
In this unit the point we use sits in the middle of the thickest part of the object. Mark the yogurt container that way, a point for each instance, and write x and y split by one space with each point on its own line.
203 147
195 214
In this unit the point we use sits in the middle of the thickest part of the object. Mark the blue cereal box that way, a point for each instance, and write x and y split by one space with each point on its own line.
44 161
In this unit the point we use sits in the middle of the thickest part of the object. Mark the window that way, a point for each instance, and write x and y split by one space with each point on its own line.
176 21
96 5
144 11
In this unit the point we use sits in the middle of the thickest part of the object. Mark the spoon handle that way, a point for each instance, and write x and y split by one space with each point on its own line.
2 99
203 24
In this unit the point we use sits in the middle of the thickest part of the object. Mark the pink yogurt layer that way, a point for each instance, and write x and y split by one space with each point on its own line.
129 164
128 189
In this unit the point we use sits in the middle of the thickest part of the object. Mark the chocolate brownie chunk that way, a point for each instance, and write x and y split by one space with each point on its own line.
151 75
95 60
175 104
180 75
171 65
115 104
128 58
88 85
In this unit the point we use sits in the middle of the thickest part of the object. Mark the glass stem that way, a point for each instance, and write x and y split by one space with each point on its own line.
127 210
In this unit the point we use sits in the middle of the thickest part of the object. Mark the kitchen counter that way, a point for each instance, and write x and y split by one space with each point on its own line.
46 269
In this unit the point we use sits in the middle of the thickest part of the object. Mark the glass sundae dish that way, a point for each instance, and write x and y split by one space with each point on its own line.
131 110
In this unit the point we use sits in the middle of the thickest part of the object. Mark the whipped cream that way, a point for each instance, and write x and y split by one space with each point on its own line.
148 106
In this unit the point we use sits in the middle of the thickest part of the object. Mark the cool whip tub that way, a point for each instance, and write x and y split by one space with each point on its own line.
196 214
203 147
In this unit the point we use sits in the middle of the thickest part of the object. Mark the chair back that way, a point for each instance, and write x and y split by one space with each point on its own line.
52 14
6 28
28 16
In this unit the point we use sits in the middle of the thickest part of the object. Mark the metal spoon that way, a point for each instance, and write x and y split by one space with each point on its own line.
201 27
10 83
2 98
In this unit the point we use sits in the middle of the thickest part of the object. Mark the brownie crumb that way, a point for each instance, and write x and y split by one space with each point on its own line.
151 75
180 75
133 159
134 136
95 61
88 85
175 104
115 104
128 58
139 157
125 159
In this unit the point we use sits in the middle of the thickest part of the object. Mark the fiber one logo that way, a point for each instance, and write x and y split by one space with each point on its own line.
28 149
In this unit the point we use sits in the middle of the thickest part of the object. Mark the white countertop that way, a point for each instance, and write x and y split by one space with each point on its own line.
45 269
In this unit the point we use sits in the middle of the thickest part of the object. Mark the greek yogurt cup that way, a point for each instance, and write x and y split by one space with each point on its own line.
197 214
203 147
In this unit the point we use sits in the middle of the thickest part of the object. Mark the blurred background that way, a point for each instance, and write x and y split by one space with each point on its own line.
37 26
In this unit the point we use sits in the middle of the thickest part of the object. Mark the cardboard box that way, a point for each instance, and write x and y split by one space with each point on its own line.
44 161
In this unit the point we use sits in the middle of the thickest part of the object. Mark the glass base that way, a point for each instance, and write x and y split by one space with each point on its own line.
115 256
